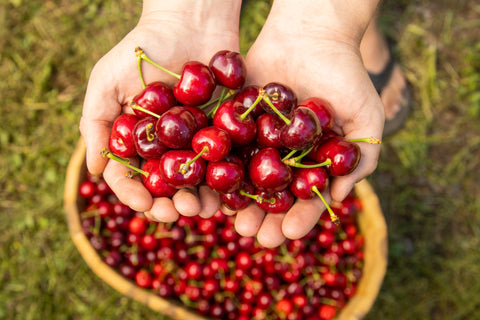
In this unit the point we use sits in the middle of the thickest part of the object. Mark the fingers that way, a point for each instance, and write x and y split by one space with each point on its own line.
129 191
187 202
302 217
249 220
270 233
162 210
210 201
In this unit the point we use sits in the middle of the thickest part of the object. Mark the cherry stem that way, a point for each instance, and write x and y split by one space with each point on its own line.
108 154
289 155
303 154
371 140
227 95
140 72
184 167
136 106
333 216
257 197
149 129
261 95
219 102
270 104
293 163
141 55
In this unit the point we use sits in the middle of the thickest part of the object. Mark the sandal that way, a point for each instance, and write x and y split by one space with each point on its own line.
380 81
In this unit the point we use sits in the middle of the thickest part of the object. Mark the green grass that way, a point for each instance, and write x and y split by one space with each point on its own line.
427 177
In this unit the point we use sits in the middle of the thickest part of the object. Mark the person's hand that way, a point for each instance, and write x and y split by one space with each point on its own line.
316 53
170 33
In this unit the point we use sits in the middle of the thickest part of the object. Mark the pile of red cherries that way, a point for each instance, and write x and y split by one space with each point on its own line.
250 143
207 266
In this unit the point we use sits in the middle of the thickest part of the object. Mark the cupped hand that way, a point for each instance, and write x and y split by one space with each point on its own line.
314 60
170 33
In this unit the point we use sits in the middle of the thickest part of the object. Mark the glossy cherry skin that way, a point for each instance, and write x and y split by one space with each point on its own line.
267 171
147 144
121 137
215 139
235 200
282 97
170 168
345 155
176 127
269 126
303 130
227 117
155 183
305 178
224 176
156 97
196 84
200 116
247 97
229 69
323 110
283 201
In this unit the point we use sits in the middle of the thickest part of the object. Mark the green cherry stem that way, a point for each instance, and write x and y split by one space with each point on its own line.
108 154
230 93
303 154
142 56
333 216
136 106
257 197
220 99
261 95
270 104
293 163
140 72
184 167
371 140
289 155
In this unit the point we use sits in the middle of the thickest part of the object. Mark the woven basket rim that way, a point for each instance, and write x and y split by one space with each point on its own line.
357 307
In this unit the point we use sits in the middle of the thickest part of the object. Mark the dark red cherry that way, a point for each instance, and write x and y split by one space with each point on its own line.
344 155
156 97
216 142
282 201
282 97
200 116
269 126
121 136
237 199
155 182
171 164
268 172
323 110
224 176
302 131
229 69
304 179
247 97
229 118
196 84
176 127
147 144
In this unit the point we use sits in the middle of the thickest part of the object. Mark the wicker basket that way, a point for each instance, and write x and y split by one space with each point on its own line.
371 221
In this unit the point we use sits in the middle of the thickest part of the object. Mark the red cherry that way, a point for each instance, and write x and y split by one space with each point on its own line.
137 225
216 141
155 182
148 242
157 97
147 144
143 278
171 166
238 199
304 179
87 189
327 312
200 116
344 155
121 137
282 97
247 97
228 117
267 171
323 110
196 84
302 131
229 69
224 176
176 127
282 201
269 126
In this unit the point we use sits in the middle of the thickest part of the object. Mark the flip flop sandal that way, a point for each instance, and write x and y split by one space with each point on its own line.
380 81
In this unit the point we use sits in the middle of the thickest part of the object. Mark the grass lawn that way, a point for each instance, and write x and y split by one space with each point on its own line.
427 179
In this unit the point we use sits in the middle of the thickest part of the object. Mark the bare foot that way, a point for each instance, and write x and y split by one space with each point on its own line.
375 55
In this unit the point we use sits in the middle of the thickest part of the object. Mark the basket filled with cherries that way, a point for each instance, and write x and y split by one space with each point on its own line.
250 144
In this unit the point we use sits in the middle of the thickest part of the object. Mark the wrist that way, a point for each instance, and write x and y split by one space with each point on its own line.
344 20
